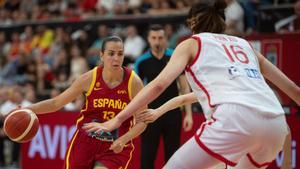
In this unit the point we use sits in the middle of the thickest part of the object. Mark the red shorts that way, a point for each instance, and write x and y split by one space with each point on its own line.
84 152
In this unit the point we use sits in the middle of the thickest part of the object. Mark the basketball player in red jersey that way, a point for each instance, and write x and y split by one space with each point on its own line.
108 89
245 126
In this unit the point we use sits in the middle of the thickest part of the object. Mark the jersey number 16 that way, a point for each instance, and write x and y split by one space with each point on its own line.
237 52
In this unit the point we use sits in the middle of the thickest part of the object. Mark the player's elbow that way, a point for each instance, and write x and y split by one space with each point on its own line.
159 86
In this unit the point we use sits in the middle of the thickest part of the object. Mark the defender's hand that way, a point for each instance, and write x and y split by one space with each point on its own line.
117 146
106 126
187 124
148 116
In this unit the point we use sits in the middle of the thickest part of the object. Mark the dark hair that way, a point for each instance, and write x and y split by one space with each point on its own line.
110 39
155 27
207 16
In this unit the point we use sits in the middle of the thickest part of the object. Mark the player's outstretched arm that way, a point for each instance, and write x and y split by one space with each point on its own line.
51 105
181 56
273 74
138 128
184 88
151 115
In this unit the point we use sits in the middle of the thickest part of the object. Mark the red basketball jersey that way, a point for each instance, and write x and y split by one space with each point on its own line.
103 103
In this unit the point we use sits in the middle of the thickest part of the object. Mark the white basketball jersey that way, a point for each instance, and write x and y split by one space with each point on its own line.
226 70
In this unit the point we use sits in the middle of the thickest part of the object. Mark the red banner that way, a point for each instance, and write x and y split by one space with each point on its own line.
47 149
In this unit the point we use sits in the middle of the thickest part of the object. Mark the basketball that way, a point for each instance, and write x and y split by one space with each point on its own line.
21 125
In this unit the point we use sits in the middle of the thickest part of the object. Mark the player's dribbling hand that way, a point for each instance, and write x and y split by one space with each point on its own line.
147 116
98 127
117 146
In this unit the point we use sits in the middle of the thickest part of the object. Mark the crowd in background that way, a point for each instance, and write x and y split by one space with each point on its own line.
20 11
41 10
47 60
40 62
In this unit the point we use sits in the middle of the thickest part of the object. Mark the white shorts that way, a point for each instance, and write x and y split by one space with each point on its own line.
234 135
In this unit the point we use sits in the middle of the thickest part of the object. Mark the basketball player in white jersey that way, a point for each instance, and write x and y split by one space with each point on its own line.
245 126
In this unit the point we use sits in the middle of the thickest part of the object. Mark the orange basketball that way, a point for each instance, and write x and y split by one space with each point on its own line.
21 125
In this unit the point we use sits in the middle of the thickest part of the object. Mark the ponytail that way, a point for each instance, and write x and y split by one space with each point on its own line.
219 7
207 17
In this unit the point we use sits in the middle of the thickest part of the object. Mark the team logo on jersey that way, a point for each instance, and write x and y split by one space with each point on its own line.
253 73
122 92
233 72
97 86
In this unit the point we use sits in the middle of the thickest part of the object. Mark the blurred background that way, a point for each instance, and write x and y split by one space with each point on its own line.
46 44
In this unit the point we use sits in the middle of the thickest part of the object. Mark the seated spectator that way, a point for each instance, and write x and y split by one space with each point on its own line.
26 39
30 73
81 38
78 63
60 41
291 23
234 15
15 99
160 7
145 6
4 47
72 11
134 45
21 68
181 6
3 98
171 35
43 39
29 95
61 81
134 6
14 49
94 50
27 6
5 17
62 63
19 16
44 75
251 13
113 7
12 5
8 72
